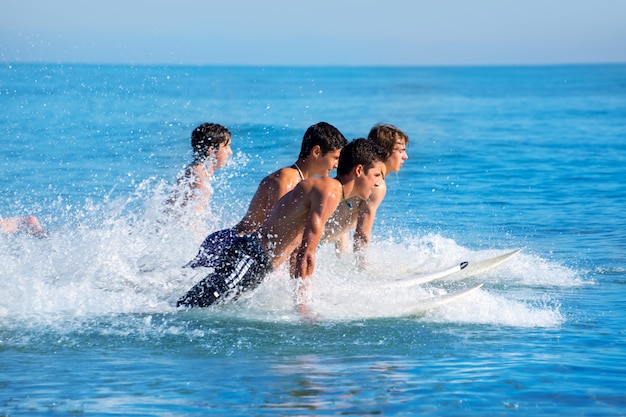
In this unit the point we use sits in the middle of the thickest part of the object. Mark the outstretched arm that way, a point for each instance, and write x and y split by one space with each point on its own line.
342 244
305 254
365 220
321 206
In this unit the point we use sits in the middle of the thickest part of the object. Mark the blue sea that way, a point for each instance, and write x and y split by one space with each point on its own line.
530 157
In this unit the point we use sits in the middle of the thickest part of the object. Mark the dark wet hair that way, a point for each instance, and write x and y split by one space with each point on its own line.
324 135
205 136
386 136
360 151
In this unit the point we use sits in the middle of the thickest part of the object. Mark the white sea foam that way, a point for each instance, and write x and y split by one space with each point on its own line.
511 295
107 259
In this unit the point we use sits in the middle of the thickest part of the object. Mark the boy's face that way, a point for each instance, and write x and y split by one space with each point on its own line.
369 180
398 156
222 154
327 163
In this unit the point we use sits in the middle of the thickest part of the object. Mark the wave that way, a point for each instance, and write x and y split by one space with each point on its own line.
124 256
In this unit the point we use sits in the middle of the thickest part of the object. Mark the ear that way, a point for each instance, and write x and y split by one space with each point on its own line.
358 170
316 152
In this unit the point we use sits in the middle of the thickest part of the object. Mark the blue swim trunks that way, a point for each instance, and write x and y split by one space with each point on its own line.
240 267
212 248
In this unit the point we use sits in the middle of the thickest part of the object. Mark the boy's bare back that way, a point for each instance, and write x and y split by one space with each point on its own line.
270 190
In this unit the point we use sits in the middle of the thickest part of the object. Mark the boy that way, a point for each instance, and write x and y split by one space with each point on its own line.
359 214
295 225
211 150
319 153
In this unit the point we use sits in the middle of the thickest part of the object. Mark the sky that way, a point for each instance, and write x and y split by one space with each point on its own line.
318 33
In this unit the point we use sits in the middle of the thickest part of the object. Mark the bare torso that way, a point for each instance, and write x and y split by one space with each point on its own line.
298 220
356 215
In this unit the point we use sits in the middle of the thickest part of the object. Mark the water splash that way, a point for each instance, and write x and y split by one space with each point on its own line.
124 256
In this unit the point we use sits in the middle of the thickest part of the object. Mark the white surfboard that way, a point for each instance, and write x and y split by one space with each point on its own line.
439 300
476 268
428 277
456 272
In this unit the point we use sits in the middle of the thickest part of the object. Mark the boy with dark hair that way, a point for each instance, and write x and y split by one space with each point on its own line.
295 225
210 143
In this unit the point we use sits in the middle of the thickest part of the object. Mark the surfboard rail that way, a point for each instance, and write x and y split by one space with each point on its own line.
456 272
439 300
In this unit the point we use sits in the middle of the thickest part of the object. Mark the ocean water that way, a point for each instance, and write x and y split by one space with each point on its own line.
499 158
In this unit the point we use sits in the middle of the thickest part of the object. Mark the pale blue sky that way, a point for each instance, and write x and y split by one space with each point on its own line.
320 32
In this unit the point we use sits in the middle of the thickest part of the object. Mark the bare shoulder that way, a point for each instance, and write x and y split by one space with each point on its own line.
282 179
324 186
323 182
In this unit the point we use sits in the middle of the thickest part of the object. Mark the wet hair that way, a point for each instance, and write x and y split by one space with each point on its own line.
360 151
387 135
324 135
205 136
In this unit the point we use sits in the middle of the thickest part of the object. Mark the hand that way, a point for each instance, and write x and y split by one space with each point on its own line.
305 264
302 297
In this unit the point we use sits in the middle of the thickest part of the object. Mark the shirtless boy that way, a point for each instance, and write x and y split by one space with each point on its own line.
360 214
211 150
295 224
319 155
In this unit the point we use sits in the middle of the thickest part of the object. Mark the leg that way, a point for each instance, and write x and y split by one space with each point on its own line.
242 266
211 249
